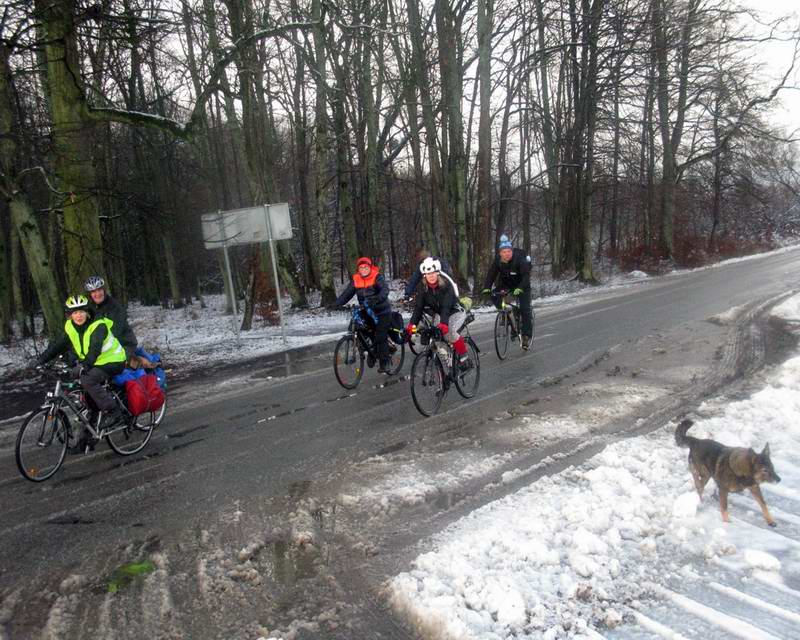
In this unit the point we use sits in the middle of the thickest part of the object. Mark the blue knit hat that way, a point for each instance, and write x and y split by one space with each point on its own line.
505 243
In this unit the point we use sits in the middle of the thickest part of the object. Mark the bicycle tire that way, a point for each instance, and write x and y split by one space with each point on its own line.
346 354
122 442
427 371
502 334
397 362
154 417
415 347
56 437
464 385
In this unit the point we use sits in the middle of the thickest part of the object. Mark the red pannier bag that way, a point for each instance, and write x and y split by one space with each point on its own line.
136 396
144 394
155 394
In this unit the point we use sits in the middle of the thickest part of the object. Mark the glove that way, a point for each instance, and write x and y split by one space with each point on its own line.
517 292
443 328
486 292
76 371
411 329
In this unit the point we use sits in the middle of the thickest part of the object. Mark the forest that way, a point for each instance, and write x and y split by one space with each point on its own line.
637 131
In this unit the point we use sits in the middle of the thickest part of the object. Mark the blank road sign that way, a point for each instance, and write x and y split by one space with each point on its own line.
246 226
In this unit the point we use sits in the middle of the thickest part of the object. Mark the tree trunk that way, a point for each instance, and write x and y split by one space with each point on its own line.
23 218
321 159
72 143
483 230
5 284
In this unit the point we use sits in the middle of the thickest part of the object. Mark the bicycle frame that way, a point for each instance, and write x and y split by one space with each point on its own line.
57 398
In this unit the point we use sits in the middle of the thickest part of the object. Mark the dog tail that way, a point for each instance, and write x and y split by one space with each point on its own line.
680 433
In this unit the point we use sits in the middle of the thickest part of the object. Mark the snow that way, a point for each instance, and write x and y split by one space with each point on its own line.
621 545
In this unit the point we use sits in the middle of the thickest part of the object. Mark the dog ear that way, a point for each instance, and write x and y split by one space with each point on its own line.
765 452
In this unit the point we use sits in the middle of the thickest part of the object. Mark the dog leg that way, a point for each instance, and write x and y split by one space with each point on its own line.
756 491
723 504
699 485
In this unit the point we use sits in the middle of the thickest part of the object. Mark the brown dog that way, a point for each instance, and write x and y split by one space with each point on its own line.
733 469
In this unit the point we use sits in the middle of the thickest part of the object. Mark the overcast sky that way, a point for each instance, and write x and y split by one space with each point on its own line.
779 56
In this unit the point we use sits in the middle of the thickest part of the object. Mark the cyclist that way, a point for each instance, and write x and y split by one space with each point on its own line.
100 356
513 267
438 296
369 285
105 306
413 281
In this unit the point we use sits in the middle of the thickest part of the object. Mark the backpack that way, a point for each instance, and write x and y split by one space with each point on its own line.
397 329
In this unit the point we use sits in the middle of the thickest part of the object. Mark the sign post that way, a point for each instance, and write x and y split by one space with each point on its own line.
229 274
266 223
275 271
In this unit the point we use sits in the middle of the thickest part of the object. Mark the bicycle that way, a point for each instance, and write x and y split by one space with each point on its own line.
358 345
435 368
48 431
508 323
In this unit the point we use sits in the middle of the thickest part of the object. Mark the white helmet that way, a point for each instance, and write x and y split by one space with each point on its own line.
94 282
430 265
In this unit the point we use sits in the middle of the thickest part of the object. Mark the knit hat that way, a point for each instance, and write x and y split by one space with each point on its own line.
505 243
363 261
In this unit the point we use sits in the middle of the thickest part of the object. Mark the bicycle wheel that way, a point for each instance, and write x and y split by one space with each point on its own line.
42 444
427 383
467 381
152 417
502 334
397 355
348 362
133 436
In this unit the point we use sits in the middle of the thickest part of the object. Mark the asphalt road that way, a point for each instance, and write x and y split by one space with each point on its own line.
233 501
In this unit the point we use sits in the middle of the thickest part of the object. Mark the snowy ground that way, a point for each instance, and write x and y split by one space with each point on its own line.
620 546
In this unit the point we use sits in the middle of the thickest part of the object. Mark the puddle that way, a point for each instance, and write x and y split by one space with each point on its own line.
289 363
286 563
299 489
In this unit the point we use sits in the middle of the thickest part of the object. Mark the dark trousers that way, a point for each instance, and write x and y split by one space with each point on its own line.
382 336
92 382
524 301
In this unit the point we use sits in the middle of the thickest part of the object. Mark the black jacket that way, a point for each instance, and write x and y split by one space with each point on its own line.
441 300
514 274
118 314
413 281
372 292
64 345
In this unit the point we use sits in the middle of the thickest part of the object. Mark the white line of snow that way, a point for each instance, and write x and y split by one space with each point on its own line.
791 616
734 626
648 624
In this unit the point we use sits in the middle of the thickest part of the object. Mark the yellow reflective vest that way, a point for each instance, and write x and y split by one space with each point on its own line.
111 350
